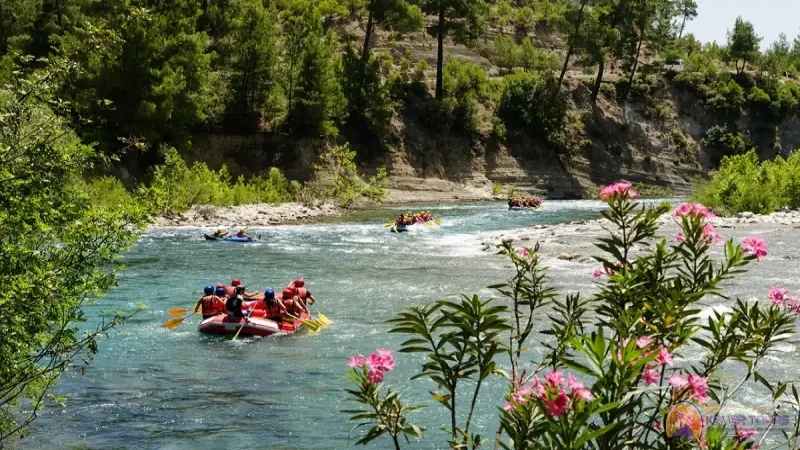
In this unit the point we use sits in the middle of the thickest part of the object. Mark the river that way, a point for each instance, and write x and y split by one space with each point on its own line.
153 388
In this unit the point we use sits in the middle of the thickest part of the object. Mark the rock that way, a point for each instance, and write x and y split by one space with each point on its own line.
745 214
524 237
567 257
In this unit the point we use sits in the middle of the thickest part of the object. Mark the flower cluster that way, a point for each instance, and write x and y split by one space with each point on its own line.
378 364
606 271
552 392
695 385
743 433
756 246
779 296
693 210
619 189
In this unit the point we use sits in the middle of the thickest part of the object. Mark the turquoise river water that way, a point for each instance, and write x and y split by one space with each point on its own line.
151 388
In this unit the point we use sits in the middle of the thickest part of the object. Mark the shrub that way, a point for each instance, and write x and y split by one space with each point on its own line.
687 149
337 177
532 101
742 183
609 90
761 103
659 109
465 85
725 142
175 187
108 193
727 99
624 387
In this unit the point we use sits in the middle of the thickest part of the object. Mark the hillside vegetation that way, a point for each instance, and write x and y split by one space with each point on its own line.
553 96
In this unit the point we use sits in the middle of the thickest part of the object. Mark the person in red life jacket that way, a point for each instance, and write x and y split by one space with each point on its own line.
292 303
273 307
220 293
304 293
242 234
209 305
235 302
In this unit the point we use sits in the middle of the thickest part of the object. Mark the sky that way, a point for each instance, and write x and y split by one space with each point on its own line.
769 17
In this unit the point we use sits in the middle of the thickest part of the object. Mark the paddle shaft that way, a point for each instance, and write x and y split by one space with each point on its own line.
242 327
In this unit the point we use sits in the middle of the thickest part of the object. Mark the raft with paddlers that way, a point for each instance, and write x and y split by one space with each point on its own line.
403 221
234 311
520 204
222 235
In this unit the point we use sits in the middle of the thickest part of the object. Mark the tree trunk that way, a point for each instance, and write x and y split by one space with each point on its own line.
367 37
571 46
564 69
683 24
635 62
600 70
58 13
440 55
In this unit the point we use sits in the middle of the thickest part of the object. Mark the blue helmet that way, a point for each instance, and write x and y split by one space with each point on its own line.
220 292
209 290
269 293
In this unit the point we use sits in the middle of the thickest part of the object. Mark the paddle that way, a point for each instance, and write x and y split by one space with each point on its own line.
438 221
246 321
309 324
322 319
174 323
177 312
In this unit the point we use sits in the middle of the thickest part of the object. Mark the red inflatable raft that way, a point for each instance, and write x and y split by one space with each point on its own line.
253 326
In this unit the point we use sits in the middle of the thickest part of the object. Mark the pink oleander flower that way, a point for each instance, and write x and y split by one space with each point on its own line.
680 237
664 357
554 378
677 381
375 376
558 406
537 388
650 377
356 361
381 360
743 433
573 384
508 406
710 235
699 387
693 209
604 271
643 341
525 252
583 394
756 246
620 188
777 294
598 273
792 304
518 398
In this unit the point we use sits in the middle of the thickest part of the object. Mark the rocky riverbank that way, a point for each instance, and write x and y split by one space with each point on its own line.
257 215
574 241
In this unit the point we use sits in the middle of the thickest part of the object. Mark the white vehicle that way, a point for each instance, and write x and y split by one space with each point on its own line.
676 66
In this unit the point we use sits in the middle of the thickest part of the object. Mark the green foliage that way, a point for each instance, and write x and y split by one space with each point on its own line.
687 149
727 99
367 95
59 253
533 102
337 178
725 142
743 183
466 86
176 187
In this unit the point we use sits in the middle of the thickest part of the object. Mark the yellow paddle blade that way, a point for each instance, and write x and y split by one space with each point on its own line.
438 221
388 225
310 325
173 323
323 319
177 312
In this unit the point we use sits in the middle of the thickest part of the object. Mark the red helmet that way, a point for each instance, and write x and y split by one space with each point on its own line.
221 286
235 282
299 283
288 293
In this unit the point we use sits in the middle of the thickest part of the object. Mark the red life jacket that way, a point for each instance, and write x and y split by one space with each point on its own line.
230 290
302 293
210 306
272 311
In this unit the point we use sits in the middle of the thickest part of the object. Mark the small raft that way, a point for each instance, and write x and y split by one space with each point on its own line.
253 326
399 228
229 239
525 208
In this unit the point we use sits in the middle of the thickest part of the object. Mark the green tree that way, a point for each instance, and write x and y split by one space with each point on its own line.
688 11
254 65
575 13
506 53
16 21
777 58
59 253
461 19
743 44
318 99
